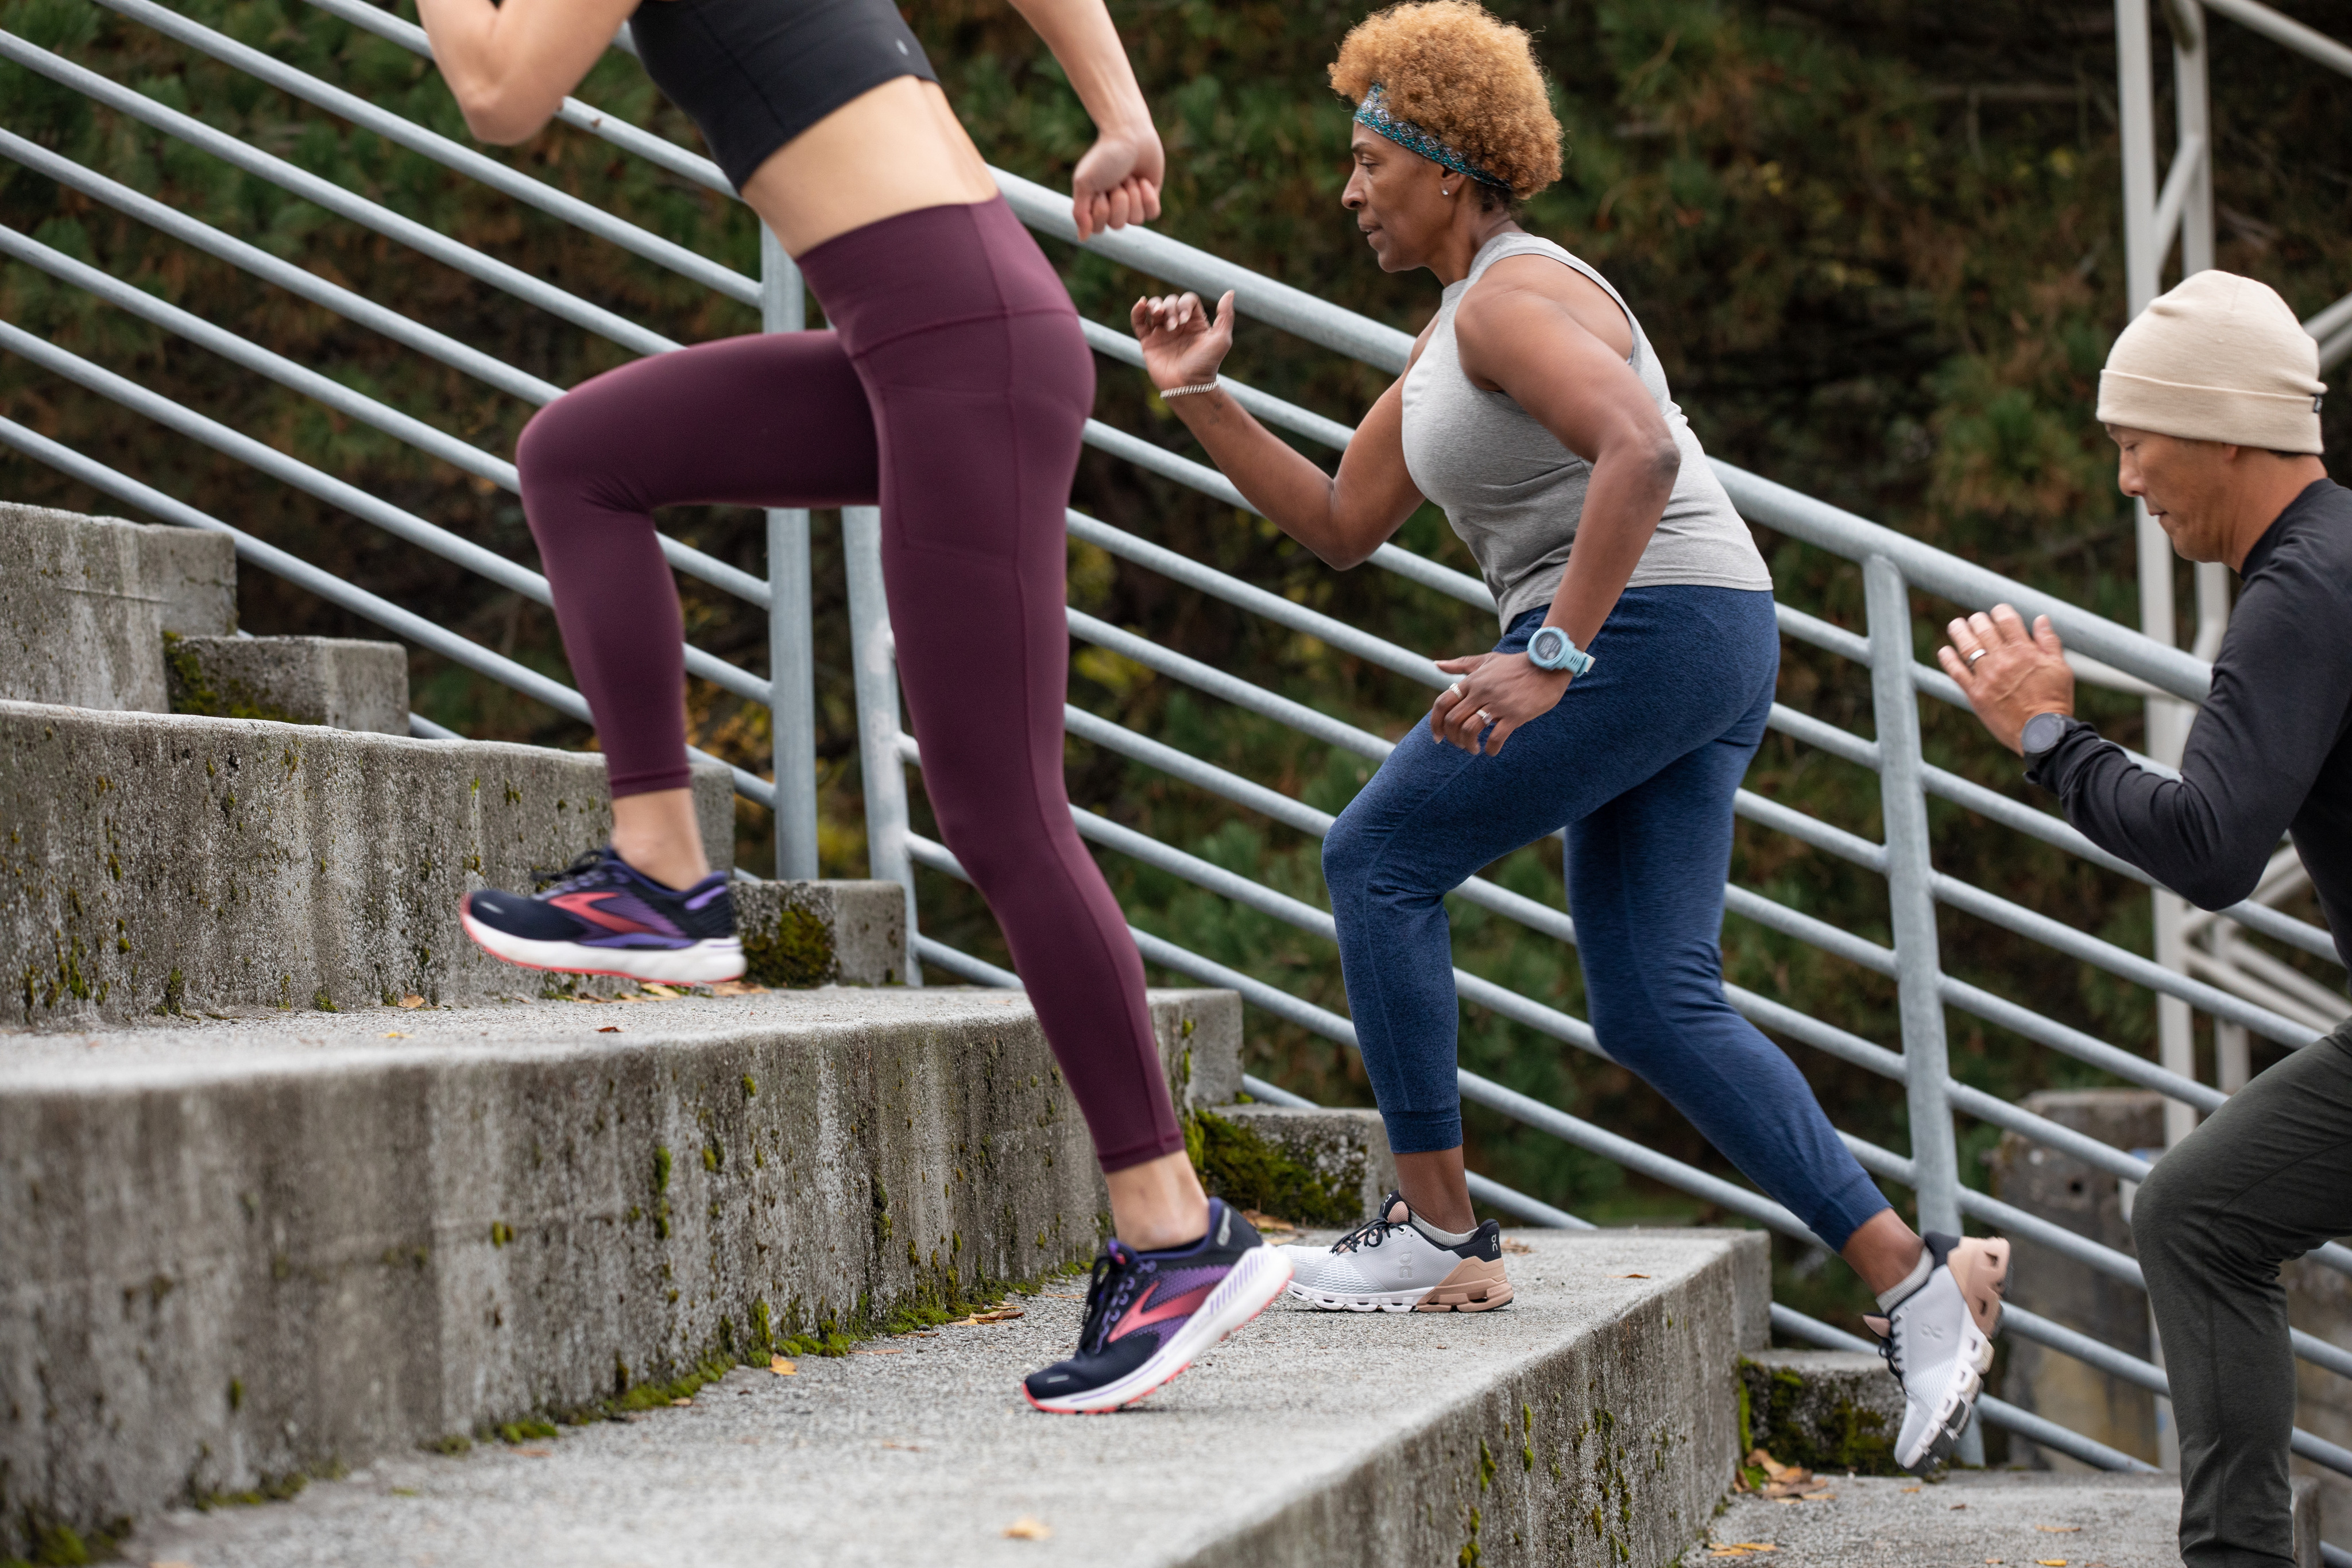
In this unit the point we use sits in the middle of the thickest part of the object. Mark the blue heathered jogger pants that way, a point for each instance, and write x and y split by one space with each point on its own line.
1639 762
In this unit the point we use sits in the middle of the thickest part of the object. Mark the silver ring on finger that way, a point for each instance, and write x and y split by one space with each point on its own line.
1486 717
1973 655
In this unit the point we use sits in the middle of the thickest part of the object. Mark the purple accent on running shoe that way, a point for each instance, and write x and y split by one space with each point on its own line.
699 899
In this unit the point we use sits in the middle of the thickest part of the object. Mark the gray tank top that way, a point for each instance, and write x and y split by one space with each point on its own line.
1514 494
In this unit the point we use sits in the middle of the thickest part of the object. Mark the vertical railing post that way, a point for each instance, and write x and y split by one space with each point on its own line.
1909 891
875 668
1910 895
792 662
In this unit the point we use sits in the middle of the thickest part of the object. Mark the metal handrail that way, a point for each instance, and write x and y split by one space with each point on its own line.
1895 565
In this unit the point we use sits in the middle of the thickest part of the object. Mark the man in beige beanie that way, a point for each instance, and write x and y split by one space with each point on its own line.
2212 399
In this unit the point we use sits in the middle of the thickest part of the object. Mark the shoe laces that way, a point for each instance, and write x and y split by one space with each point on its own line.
1371 1233
559 879
1108 1292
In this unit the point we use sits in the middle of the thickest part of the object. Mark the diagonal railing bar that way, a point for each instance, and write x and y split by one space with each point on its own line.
1168 956
426 438
426 635
336 492
401 132
335 199
1232 688
1112 343
1495 1096
169 220
1789 1323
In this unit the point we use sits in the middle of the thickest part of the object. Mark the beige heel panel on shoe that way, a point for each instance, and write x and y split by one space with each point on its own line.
1473 1287
1980 1267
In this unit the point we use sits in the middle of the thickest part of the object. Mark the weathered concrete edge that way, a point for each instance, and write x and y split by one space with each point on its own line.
339 1315
1518 1488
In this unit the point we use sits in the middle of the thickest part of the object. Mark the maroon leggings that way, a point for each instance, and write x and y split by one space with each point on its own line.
953 390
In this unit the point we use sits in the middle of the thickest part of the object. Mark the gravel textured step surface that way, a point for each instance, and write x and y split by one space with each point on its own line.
2015 1520
919 1450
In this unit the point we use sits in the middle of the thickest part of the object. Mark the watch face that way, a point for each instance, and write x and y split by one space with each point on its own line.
2042 731
1546 645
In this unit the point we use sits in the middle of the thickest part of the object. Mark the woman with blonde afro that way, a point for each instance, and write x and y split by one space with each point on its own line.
1629 690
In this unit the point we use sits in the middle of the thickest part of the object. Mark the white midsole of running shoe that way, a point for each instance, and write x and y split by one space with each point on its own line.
1346 1302
1958 1398
712 960
1245 1292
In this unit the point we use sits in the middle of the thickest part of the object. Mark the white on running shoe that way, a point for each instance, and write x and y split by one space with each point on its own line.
1388 1264
1938 1342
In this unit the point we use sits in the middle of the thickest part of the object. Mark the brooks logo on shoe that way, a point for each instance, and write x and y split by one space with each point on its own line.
591 908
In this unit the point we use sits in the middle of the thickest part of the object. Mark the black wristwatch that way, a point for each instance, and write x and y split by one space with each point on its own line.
2042 733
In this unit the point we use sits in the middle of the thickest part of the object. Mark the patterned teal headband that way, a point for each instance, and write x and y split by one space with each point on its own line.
1373 114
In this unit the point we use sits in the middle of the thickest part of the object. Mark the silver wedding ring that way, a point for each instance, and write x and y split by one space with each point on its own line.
1486 717
1974 655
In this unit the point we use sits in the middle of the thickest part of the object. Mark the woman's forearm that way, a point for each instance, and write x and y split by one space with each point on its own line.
1283 485
1622 504
1080 35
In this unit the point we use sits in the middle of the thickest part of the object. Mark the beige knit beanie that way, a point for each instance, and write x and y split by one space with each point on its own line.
2220 358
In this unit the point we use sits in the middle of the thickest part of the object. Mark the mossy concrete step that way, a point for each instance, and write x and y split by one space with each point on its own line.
339 682
1826 1410
164 863
1588 1424
236 1252
1311 1167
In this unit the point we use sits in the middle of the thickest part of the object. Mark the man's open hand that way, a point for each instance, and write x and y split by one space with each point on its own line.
2007 673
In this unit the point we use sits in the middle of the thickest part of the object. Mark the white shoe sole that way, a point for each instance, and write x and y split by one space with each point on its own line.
1250 1287
706 963
1344 1302
1955 1404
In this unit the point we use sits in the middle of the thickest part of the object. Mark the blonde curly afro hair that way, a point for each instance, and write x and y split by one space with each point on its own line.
1464 75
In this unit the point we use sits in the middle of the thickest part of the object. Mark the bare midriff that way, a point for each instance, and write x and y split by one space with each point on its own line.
897 149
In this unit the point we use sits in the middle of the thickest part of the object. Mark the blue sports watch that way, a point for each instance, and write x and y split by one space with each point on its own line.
1552 649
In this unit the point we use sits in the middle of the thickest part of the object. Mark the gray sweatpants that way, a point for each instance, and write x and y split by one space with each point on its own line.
2266 1179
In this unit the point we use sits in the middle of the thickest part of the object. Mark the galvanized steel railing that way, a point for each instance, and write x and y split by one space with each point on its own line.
1893 567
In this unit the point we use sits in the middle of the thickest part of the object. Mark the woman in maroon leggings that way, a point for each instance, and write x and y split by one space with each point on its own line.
952 389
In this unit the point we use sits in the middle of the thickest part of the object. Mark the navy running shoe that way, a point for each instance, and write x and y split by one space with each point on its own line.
1149 1313
600 915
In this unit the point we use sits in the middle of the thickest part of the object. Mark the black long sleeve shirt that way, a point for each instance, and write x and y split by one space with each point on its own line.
2271 751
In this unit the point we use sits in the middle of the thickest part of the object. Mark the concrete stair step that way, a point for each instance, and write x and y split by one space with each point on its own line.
2016 1519
339 682
1588 1423
234 1253
166 863
86 602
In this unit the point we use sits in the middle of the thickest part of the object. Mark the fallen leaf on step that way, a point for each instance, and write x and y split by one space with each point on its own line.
1003 1315
780 1367
1910 1489
890 1352
1028 1527
1817 1496
2051 1562
534 1453
393 1034
905 1448
1957 1505
1265 1222
682 1403
587 1001
412 1001
2059 1528
663 993
1779 1472
1066 1295
1512 1244
609 1028
738 989
1993 1562
170 1563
